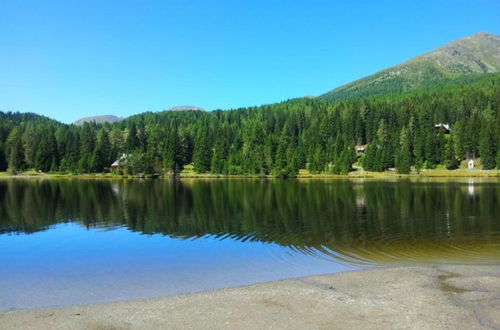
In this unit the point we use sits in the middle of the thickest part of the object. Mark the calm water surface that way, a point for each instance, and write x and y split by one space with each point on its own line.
83 241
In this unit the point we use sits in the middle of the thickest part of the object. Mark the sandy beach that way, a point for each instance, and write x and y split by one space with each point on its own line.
439 297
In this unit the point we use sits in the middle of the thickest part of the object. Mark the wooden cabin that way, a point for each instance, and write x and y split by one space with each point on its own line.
119 163
442 128
360 149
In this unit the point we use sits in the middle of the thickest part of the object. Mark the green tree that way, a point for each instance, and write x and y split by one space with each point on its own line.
488 147
101 157
30 144
450 159
87 146
173 159
46 157
346 159
202 152
403 160
132 142
15 150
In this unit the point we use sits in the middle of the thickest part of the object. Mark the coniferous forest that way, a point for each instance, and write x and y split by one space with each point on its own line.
397 131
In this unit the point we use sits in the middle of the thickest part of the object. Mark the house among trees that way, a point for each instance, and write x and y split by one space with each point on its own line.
442 128
470 164
360 149
119 163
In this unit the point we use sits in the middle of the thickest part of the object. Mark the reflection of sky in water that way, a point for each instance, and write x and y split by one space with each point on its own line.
311 226
68 264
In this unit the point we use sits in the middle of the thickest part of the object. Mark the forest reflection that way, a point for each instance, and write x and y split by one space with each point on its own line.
350 220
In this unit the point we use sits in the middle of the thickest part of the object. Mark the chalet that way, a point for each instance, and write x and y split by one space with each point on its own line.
442 128
119 163
360 150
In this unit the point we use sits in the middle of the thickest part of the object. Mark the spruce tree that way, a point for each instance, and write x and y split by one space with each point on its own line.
347 158
202 153
132 142
403 160
101 157
280 162
30 144
170 152
3 158
488 147
370 159
15 151
450 158
87 146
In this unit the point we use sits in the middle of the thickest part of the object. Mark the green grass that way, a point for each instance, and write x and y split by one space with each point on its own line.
189 172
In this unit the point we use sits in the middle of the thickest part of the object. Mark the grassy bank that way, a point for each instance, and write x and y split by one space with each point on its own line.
188 172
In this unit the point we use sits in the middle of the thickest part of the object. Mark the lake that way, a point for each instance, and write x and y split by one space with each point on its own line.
74 241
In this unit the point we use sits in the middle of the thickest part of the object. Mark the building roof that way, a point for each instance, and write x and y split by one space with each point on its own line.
441 125
120 161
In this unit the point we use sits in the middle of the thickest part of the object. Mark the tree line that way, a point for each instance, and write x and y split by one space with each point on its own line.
398 131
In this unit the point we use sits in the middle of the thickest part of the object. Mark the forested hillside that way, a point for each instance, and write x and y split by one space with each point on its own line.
278 139
467 59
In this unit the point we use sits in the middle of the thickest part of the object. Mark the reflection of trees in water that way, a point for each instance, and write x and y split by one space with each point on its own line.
302 214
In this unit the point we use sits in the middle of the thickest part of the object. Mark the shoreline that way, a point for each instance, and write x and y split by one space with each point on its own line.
353 175
438 297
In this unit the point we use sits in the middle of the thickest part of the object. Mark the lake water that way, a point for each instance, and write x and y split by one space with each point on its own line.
74 241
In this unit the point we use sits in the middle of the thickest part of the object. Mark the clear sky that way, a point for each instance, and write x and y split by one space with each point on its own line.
68 59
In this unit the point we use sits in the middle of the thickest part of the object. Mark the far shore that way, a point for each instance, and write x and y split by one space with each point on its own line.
433 173
426 297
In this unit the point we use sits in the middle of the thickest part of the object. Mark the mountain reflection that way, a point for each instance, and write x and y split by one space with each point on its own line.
344 219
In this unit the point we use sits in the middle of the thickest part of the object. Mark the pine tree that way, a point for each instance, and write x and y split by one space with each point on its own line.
15 151
132 142
280 162
316 160
369 160
30 145
46 154
101 157
488 147
202 152
430 150
418 150
450 158
3 158
347 158
172 157
403 160
87 146
70 159
293 165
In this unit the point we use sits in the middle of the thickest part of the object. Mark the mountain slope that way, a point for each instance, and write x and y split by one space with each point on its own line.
98 119
476 55
185 108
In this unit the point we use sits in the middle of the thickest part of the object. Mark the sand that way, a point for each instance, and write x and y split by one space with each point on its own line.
438 297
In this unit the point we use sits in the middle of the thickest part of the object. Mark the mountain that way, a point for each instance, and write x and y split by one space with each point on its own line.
471 57
185 108
98 119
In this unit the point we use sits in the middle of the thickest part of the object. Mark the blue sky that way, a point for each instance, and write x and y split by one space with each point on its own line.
70 59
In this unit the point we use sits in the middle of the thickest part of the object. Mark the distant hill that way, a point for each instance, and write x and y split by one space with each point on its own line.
98 119
185 108
20 117
475 55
